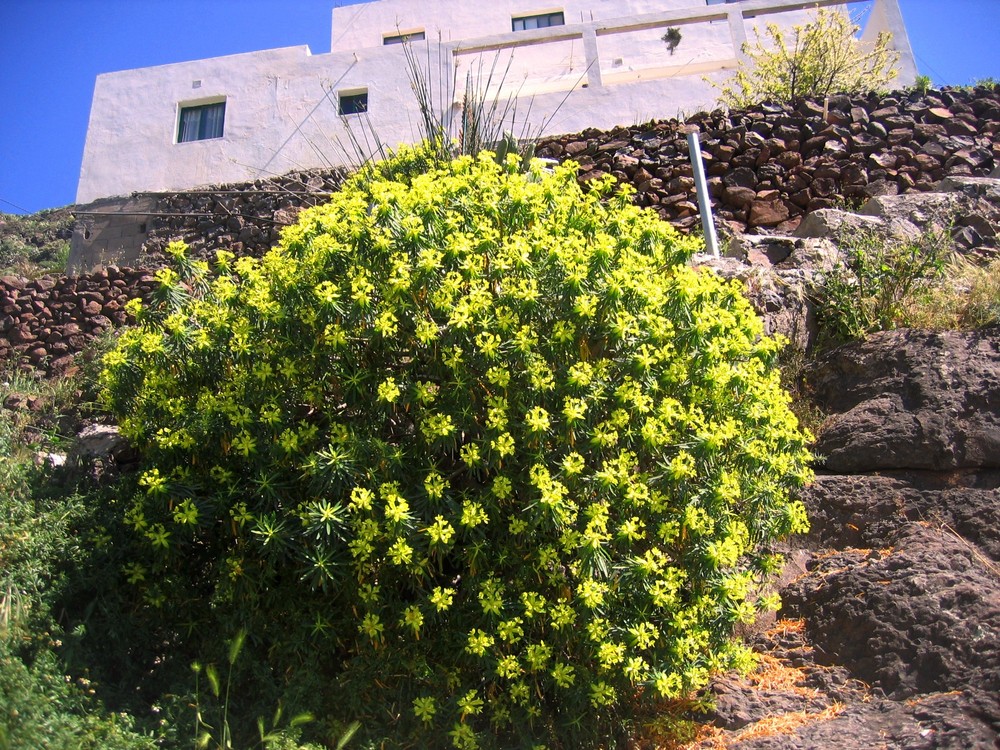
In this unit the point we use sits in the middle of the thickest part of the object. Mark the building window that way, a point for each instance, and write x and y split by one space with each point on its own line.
409 36
353 103
541 21
201 122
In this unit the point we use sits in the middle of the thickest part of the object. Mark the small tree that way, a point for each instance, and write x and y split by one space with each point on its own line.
822 57
672 38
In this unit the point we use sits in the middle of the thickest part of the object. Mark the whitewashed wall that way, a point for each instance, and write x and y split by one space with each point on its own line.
609 69
365 24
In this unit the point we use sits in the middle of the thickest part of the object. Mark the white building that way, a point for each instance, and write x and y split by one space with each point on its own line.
582 63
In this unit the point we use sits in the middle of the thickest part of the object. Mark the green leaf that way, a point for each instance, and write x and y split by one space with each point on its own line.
213 679
348 733
236 645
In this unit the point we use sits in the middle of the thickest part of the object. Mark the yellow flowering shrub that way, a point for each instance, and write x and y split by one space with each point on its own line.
479 444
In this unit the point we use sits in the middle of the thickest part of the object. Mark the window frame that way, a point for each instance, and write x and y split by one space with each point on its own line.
536 17
353 96
201 106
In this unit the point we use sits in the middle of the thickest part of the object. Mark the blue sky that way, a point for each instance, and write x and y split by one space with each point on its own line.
52 50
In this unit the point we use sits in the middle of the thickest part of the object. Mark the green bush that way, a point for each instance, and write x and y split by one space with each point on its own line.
49 535
41 708
476 447
878 284
817 59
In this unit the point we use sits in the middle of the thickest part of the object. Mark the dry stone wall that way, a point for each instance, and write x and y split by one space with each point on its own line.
47 321
245 219
768 168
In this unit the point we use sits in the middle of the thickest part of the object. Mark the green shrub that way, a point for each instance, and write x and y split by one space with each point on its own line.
41 708
872 290
475 446
817 59
49 535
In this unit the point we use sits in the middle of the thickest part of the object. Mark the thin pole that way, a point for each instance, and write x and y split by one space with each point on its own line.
704 204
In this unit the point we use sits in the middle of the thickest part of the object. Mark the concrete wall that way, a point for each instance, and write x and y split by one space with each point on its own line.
607 66
110 231
281 114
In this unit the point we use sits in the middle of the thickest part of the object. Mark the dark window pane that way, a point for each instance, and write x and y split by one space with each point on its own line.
416 36
541 21
353 104
212 118
202 122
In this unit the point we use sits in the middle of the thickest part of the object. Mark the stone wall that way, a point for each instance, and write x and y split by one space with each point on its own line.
767 169
245 219
769 166
117 244
47 321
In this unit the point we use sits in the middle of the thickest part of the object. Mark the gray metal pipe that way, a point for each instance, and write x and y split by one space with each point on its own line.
704 204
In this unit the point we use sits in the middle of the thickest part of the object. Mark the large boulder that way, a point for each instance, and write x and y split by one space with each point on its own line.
973 187
929 211
838 224
868 510
917 617
911 399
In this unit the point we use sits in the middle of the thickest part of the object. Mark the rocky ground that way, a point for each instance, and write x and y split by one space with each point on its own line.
889 635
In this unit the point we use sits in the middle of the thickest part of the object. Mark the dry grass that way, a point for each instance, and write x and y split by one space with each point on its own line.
793 364
786 627
773 674
714 738
966 297
867 557
788 723
921 698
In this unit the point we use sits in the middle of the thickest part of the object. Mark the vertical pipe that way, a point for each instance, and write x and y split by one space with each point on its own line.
704 204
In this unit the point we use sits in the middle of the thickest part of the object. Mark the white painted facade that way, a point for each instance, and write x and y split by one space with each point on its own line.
605 66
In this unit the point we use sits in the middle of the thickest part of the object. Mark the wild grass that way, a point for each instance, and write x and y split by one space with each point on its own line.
870 291
34 419
966 296
924 283
35 244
